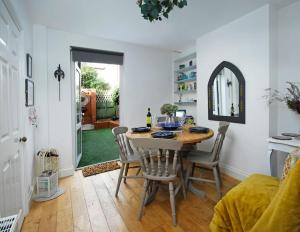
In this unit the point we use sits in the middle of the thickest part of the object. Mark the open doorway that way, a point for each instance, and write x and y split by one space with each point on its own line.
97 82
100 112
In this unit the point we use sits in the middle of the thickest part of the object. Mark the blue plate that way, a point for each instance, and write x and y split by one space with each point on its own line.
170 125
199 129
140 129
163 135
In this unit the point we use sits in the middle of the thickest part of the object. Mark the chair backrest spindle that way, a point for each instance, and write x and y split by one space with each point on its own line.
159 153
121 139
223 127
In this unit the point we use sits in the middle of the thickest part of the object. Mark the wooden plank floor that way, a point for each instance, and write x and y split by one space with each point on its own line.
89 204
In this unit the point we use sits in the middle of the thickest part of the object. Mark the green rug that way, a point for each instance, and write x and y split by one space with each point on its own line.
98 146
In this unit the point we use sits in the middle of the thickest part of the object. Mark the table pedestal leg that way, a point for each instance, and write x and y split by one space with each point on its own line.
153 188
197 192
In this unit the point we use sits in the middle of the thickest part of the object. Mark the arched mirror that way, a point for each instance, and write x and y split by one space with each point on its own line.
226 94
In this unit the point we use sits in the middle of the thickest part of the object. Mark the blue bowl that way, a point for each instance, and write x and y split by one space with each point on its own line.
170 125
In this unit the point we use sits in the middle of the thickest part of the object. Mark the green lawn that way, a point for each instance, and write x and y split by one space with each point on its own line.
98 146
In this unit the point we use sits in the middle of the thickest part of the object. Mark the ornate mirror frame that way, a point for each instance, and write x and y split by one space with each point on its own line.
242 93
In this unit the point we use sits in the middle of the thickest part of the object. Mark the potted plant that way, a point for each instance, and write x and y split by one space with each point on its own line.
291 98
169 110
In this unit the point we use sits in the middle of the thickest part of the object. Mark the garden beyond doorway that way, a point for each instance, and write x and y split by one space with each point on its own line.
100 112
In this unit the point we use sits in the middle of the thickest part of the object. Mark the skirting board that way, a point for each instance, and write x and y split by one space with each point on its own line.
233 171
66 172
29 200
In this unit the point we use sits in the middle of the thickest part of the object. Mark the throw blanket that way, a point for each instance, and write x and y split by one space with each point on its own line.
260 203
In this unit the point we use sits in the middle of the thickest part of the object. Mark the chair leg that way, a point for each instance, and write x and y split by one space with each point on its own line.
120 179
193 169
138 171
143 198
188 172
172 201
182 183
217 182
220 177
126 172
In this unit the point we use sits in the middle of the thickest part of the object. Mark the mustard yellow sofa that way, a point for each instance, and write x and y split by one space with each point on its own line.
260 204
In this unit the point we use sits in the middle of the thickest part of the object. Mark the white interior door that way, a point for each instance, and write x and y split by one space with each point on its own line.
78 114
11 180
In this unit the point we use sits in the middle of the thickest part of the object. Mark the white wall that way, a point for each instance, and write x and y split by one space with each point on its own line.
288 62
144 82
245 43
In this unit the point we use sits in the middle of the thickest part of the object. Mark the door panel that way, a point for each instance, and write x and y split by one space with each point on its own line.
14 103
11 178
3 31
4 118
78 114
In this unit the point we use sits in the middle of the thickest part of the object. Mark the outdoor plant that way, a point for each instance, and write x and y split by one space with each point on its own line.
116 100
291 98
156 9
90 80
168 109
116 96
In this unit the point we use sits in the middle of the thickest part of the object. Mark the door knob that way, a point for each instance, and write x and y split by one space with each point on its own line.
23 139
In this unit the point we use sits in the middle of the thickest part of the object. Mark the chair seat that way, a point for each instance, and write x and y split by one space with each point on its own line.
133 158
196 156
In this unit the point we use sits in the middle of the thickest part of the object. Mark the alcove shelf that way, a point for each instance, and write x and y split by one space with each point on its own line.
185 81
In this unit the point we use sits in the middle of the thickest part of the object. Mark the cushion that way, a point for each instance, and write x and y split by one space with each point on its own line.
290 162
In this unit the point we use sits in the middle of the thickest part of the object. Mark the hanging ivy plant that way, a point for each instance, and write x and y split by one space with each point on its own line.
156 9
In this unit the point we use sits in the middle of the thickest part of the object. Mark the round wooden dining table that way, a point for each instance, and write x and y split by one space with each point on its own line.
184 135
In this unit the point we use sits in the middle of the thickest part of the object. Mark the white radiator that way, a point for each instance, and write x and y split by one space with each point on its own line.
10 223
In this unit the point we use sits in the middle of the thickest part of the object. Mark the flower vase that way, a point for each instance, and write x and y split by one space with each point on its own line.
170 119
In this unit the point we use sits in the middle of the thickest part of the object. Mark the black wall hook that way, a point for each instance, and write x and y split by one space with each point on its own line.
59 74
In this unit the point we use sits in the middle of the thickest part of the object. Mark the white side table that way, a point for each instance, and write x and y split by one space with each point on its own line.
286 146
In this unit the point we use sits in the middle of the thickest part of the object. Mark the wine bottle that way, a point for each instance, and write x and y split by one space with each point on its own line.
148 118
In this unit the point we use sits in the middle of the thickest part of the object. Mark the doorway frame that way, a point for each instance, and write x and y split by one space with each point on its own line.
73 99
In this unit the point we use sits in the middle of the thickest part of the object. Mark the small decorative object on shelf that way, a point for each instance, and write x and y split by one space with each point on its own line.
191 63
291 98
281 137
181 66
182 77
180 97
193 75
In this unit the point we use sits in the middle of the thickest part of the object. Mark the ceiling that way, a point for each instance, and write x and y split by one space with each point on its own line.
121 19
